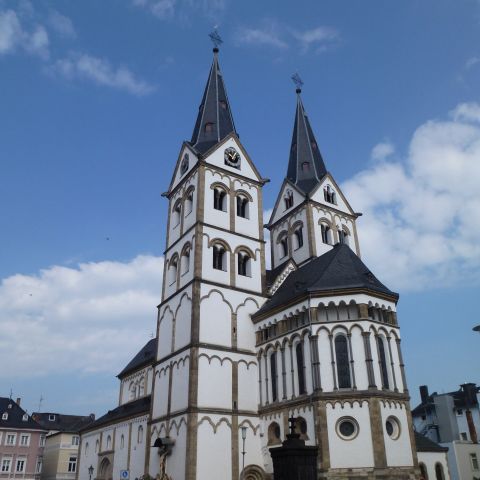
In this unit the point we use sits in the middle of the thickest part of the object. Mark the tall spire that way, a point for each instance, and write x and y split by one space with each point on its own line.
214 121
305 165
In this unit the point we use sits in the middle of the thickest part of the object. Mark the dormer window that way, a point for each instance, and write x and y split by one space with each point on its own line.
244 267
329 195
219 202
305 166
242 206
25 417
219 258
223 104
288 199
209 127
5 416
51 417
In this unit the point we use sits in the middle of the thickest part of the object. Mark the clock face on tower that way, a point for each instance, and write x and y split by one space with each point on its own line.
232 158
184 164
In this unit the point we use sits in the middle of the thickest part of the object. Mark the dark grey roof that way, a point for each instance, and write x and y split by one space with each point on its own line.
271 275
145 356
214 110
61 422
127 410
305 165
338 269
424 444
15 416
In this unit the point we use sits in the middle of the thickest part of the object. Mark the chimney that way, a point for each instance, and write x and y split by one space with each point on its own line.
424 393
18 401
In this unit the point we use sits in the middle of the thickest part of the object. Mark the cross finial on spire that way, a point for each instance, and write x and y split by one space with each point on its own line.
215 38
297 81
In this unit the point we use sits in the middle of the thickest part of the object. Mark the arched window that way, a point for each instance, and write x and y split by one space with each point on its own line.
219 258
132 390
141 387
343 236
298 238
172 270
343 365
326 233
97 446
219 202
86 448
244 264
423 471
274 434
439 475
301 428
242 206
140 434
176 213
109 442
283 245
383 362
185 260
122 441
273 375
288 199
189 203
300 368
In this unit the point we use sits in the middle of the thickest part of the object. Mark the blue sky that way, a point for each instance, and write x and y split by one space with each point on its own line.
96 98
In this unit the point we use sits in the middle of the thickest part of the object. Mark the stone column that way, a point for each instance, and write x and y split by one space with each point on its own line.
292 370
376 425
392 365
402 366
369 360
315 362
284 374
352 362
332 357
266 377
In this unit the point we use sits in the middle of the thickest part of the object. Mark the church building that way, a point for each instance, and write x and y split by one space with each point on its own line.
240 349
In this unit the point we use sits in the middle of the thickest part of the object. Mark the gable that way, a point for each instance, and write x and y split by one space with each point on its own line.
280 210
178 173
341 202
216 157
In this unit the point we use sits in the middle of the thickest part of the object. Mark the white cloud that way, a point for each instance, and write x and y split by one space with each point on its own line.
421 220
382 150
85 319
61 24
14 36
100 71
319 38
471 62
181 9
269 34
160 8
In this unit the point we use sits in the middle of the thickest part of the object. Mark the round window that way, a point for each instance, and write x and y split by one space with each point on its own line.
347 428
392 427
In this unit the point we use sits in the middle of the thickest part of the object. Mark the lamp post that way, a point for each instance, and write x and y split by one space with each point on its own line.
90 472
244 436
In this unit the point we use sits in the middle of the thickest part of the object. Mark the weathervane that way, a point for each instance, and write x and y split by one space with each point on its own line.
215 38
297 81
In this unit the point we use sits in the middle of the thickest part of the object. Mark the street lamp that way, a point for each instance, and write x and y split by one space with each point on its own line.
244 436
90 472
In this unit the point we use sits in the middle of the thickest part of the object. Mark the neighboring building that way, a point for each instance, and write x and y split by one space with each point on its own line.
241 348
119 439
61 447
453 420
432 459
22 442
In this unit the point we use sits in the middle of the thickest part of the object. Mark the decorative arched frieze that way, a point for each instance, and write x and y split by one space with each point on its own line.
214 290
249 423
214 425
212 357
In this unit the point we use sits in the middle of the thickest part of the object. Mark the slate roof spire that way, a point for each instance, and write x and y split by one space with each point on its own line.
214 121
305 165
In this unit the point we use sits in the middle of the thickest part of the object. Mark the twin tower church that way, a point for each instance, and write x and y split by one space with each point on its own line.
240 349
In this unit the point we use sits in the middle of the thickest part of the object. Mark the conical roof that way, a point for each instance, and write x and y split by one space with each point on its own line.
305 166
338 269
214 120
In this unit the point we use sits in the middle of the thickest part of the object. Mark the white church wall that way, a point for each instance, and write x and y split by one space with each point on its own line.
165 333
397 446
137 447
358 350
160 397
280 209
214 380
245 327
88 453
253 442
217 159
430 460
192 161
121 449
214 442
358 451
326 372
180 377
318 195
215 319
247 226
219 218
183 321
248 376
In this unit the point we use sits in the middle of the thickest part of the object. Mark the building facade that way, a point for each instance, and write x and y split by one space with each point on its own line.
240 348
453 420
60 457
22 442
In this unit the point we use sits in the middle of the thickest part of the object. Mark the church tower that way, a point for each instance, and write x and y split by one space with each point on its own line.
311 213
205 393
327 338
